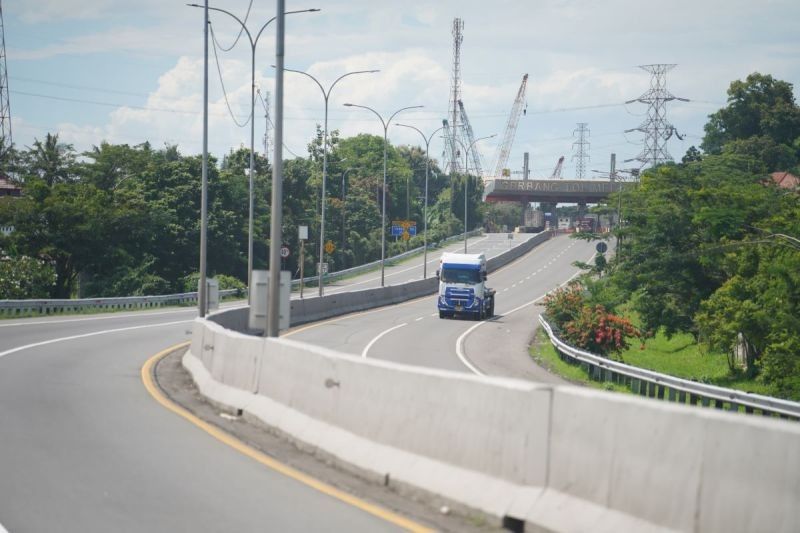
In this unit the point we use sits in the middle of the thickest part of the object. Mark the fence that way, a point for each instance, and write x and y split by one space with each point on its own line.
663 387
49 307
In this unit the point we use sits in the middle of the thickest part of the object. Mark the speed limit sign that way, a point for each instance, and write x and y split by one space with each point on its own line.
284 251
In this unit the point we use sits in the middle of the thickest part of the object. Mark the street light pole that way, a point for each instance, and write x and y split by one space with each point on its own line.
253 44
383 202
427 141
276 214
202 295
326 95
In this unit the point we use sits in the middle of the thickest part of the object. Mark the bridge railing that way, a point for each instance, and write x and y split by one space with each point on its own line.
57 306
664 387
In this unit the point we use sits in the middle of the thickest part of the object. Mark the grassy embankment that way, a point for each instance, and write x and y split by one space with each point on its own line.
678 356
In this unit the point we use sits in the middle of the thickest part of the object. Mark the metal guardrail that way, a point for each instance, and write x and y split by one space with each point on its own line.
670 388
49 307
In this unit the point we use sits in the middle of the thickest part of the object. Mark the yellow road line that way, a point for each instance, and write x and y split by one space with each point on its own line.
260 457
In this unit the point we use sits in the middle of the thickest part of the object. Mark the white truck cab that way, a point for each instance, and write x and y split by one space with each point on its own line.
462 286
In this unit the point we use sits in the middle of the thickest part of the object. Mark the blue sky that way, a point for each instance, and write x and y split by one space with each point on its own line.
129 72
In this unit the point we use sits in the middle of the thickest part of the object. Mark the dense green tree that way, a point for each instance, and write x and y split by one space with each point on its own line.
759 106
50 160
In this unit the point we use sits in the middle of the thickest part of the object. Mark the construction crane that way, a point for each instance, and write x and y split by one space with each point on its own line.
556 175
476 156
504 150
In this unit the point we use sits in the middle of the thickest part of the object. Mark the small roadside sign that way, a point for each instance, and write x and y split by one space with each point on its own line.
302 232
601 247
404 229
285 251
329 247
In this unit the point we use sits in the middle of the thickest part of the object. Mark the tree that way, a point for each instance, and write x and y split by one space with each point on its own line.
758 106
51 161
692 155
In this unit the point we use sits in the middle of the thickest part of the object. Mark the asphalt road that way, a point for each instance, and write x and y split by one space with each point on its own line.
413 333
83 446
492 244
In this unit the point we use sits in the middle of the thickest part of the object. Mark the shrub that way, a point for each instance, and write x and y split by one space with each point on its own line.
586 326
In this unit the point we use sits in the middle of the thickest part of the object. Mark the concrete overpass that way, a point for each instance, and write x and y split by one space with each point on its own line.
549 191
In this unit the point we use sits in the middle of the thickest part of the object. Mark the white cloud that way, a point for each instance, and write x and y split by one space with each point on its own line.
577 53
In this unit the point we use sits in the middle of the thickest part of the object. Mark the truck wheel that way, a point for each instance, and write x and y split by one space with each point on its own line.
442 315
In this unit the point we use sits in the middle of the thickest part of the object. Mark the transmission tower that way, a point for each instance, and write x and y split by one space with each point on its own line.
657 130
5 107
582 146
455 96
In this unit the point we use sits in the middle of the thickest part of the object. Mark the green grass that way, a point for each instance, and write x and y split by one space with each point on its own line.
544 354
678 356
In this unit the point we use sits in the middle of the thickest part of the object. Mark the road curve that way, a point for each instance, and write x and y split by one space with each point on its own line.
84 447
412 332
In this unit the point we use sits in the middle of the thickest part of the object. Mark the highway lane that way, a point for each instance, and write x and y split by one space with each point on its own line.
492 244
84 448
412 333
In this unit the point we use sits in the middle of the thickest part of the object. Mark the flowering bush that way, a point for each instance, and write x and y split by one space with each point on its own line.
564 304
598 331
590 327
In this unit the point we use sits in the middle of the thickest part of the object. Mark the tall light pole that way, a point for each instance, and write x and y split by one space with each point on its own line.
466 178
383 201
253 43
326 95
276 211
427 141
201 289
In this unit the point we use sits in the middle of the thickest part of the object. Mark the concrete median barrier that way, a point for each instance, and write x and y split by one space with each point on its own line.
555 458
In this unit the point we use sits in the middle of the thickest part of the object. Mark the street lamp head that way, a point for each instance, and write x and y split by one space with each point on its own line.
349 105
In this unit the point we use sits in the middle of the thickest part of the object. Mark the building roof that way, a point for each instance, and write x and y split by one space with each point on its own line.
7 187
785 180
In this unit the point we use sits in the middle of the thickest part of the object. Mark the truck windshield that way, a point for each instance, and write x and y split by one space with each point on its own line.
460 275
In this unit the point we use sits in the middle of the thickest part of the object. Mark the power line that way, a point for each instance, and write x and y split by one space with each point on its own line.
222 84
241 30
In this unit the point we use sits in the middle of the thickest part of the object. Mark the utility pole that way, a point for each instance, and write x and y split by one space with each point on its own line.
5 107
582 146
526 166
656 128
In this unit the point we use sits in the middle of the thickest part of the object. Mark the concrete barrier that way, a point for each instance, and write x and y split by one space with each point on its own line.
319 308
555 458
